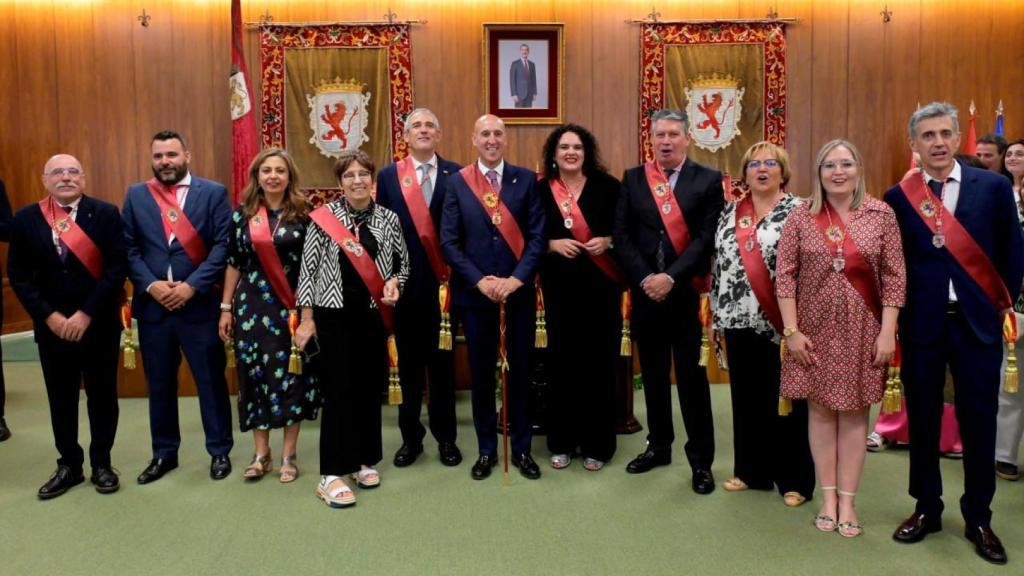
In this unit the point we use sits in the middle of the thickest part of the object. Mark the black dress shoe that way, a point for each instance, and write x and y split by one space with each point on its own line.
105 480
60 482
156 469
646 461
527 467
482 468
450 453
5 432
703 481
986 544
407 454
1007 471
220 467
916 527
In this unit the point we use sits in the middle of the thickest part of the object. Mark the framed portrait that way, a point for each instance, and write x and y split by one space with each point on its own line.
523 77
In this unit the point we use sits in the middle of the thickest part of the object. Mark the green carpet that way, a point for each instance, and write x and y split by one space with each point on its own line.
428 519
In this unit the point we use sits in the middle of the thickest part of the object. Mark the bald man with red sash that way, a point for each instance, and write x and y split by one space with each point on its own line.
965 261
67 265
492 233
664 237
414 189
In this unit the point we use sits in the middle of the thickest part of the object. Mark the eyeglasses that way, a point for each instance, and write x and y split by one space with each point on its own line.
59 172
844 164
769 163
362 175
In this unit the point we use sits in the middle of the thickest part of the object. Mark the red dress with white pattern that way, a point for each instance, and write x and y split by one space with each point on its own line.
831 313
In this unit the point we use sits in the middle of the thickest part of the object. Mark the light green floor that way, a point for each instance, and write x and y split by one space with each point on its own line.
429 519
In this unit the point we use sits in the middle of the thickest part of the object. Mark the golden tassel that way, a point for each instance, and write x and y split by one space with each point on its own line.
129 350
785 405
705 350
295 361
444 338
394 383
705 323
626 345
1011 384
229 351
540 339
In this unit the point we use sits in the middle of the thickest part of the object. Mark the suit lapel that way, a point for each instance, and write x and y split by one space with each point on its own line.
965 199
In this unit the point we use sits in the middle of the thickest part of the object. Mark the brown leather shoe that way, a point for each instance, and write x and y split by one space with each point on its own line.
916 527
986 544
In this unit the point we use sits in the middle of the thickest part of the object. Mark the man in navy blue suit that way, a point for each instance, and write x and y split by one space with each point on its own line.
492 233
67 266
414 188
522 77
176 228
964 266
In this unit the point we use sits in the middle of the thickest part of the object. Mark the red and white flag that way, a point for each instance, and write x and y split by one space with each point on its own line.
243 120
970 143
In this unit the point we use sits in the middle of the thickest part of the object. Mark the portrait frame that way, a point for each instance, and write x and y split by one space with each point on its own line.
539 82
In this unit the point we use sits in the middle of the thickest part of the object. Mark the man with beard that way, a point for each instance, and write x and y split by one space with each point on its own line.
67 266
176 230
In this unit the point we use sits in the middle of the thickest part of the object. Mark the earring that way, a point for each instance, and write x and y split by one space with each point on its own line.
554 165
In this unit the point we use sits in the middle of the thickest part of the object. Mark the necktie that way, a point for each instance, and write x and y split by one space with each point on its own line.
492 177
62 247
936 186
659 256
425 184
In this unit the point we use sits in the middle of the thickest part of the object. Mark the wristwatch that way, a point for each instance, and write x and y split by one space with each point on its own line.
787 331
225 307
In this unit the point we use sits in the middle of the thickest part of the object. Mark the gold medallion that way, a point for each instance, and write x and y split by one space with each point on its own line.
257 220
928 207
491 200
407 181
496 218
746 221
661 189
172 214
834 233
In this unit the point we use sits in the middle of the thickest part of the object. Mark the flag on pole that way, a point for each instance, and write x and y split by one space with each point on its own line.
970 146
999 119
243 120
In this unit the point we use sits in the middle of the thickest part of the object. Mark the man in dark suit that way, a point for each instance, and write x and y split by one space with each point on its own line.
176 228
5 236
492 233
523 79
665 303
949 319
424 177
67 266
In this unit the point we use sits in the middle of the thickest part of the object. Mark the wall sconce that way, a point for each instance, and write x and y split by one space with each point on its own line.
886 14
144 18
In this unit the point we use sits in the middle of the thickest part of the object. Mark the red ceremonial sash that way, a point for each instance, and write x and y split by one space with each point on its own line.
263 244
175 221
959 242
424 224
753 263
857 269
359 258
500 215
77 241
581 231
668 208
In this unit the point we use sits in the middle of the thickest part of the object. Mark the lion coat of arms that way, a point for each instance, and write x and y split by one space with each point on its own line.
338 116
714 106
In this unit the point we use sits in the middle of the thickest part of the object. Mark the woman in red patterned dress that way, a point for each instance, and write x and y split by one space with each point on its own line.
840 281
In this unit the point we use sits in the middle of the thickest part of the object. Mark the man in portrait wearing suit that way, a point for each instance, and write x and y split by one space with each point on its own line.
492 233
951 215
523 79
67 266
176 228
414 189
664 236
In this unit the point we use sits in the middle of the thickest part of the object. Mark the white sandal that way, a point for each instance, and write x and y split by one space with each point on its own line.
334 492
367 478
876 442
560 461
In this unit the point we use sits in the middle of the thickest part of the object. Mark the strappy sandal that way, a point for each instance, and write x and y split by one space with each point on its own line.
334 492
259 466
849 529
367 478
876 442
734 484
793 499
592 464
824 522
560 461
289 469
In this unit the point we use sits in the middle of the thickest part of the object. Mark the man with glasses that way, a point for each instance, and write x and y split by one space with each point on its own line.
67 266
664 236
176 227
965 260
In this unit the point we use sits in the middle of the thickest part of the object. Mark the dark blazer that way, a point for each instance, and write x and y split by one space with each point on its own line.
986 208
475 248
44 284
638 226
522 83
422 284
149 255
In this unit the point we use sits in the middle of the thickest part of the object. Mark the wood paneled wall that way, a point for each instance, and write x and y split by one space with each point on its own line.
84 77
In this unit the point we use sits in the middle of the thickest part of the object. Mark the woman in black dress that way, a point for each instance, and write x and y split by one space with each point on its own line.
582 289
255 312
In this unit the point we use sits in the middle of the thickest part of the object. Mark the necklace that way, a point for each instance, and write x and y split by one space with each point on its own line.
835 235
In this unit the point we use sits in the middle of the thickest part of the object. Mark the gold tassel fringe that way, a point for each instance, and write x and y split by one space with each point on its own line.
626 345
540 339
394 383
705 350
444 338
129 350
229 351
295 360
785 406
892 400
1011 384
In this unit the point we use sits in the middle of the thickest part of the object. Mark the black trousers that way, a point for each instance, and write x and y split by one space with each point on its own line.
417 326
66 365
353 365
770 450
667 332
975 369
